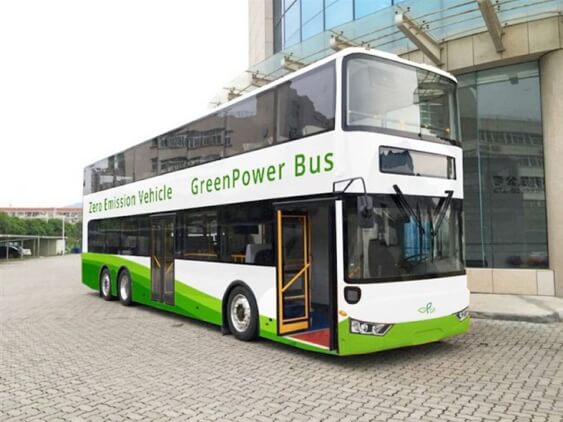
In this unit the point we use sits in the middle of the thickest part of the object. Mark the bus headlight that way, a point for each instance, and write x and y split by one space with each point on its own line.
463 314
369 328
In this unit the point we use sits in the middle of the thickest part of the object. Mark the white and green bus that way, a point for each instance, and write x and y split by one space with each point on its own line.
323 210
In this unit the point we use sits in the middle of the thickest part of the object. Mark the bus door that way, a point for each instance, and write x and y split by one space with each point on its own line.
162 258
306 271
293 271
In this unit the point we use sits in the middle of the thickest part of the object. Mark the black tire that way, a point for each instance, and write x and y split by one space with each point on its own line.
241 304
105 285
124 292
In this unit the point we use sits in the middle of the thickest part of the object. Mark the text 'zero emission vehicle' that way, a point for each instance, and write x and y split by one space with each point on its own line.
323 210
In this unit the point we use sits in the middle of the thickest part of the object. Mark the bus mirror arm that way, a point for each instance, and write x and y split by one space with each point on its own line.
366 217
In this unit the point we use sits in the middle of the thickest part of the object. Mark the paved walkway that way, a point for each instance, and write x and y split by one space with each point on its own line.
517 307
65 354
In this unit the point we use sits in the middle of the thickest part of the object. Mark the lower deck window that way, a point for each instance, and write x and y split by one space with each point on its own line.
234 233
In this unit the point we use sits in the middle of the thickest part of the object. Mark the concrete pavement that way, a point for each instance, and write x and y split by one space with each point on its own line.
65 354
539 309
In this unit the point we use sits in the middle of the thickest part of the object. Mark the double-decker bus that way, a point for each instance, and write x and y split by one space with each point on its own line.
323 210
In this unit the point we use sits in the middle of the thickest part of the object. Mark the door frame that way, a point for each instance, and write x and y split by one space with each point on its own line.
161 220
292 325
299 206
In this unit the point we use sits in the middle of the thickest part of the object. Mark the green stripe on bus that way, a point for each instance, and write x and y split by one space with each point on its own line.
189 301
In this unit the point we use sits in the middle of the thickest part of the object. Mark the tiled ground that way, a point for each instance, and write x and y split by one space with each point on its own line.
67 354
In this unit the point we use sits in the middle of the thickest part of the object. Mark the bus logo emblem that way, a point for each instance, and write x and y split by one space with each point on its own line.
427 309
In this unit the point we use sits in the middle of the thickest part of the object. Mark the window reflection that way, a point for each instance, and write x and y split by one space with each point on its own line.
312 18
251 124
365 7
305 106
207 139
504 175
416 163
298 20
292 21
386 95
338 12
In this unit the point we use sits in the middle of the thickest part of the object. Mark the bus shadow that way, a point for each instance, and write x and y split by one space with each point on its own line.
176 319
412 354
387 357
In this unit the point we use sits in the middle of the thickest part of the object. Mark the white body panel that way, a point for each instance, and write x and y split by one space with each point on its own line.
398 302
213 278
353 154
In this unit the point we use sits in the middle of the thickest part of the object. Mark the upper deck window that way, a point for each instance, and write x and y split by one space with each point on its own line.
392 97
299 107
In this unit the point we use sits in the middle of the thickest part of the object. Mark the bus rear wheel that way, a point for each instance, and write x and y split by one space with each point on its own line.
105 285
242 314
124 288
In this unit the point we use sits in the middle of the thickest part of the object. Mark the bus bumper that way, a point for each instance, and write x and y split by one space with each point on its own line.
400 335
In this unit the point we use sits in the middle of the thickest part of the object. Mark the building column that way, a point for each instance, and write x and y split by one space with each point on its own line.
260 30
551 79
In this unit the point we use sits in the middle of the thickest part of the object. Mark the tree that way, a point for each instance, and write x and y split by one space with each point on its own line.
41 227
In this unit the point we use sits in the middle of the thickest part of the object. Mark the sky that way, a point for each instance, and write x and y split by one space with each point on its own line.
81 80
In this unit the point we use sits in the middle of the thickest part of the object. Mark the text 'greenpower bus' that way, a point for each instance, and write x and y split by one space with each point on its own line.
323 210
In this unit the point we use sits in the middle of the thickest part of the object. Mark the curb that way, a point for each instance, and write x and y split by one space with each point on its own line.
547 318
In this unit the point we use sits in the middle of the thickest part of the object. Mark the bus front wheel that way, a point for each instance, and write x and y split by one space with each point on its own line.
124 288
105 284
242 314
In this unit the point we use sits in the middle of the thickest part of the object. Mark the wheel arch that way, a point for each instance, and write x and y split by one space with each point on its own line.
225 300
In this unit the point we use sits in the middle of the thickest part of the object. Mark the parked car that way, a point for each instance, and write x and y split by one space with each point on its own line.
26 251
9 252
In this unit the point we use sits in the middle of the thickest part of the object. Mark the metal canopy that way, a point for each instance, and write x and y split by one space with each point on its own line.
398 29
418 36
493 24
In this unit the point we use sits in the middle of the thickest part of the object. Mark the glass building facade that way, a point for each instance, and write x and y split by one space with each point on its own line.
298 20
501 122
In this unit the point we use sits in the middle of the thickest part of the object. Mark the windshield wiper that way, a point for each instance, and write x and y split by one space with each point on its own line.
441 210
403 203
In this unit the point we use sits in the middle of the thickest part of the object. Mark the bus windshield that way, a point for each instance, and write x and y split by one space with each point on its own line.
392 97
413 237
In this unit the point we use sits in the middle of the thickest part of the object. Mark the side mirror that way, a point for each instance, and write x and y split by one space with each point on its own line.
366 217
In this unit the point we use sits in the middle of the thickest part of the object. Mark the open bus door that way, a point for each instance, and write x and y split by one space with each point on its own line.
306 271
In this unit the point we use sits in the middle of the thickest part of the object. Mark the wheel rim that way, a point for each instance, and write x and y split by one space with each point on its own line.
105 284
124 287
240 313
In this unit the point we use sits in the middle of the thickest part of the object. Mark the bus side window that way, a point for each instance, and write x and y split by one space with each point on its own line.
199 236
144 235
247 234
251 123
95 237
306 104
